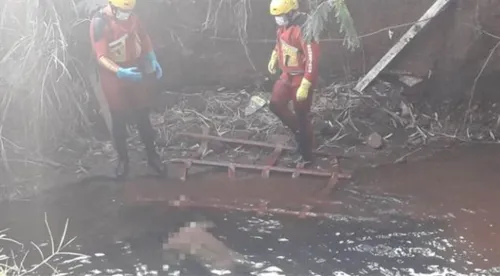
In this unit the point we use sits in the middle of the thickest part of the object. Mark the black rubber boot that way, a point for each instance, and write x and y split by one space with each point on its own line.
119 132
154 162
304 138
147 134
122 169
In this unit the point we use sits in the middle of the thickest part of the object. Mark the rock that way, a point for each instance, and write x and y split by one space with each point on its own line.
375 141
410 81
405 110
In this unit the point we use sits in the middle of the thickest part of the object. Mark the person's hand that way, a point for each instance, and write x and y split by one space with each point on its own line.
157 69
303 90
130 73
273 62
151 56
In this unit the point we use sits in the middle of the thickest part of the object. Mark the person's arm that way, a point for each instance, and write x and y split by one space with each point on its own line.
100 44
311 51
146 44
273 60
147 48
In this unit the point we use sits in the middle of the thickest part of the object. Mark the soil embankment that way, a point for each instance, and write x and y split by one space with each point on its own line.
197 45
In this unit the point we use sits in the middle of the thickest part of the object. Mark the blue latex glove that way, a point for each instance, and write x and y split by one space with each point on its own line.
151 57
129 74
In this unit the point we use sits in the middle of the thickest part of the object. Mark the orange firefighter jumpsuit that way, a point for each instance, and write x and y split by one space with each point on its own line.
297 60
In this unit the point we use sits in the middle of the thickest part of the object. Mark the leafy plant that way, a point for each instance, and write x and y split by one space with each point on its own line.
319 17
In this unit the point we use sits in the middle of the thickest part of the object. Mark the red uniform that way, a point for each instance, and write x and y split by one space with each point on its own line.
125 43
297 59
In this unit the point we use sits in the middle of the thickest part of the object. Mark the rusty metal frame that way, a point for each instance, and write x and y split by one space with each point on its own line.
270 164
296 172
261 208
243 142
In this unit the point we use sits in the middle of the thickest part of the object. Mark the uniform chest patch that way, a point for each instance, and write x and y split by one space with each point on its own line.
289 54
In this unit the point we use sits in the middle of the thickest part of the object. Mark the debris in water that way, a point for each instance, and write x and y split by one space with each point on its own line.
79 258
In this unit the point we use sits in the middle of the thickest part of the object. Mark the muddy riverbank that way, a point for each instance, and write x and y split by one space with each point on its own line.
429 217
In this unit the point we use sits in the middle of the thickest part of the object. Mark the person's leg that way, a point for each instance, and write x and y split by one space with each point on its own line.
120 135
112 90
143 122
280 98
305 137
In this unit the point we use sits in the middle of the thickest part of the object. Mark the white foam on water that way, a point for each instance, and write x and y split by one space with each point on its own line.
96 271
220 271
437 272
273 269
258 265
320 260
113 271
340 273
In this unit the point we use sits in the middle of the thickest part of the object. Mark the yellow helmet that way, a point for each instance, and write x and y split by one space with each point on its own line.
126 5
280 7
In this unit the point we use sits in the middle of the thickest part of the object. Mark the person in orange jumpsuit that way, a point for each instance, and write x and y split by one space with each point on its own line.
298 61
127 64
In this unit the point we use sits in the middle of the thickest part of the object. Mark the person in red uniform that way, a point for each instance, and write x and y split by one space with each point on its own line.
127 62
298 61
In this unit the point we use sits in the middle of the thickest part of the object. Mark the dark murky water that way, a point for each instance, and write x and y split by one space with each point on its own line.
435 217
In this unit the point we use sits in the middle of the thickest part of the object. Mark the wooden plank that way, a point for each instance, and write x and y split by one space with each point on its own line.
437 7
